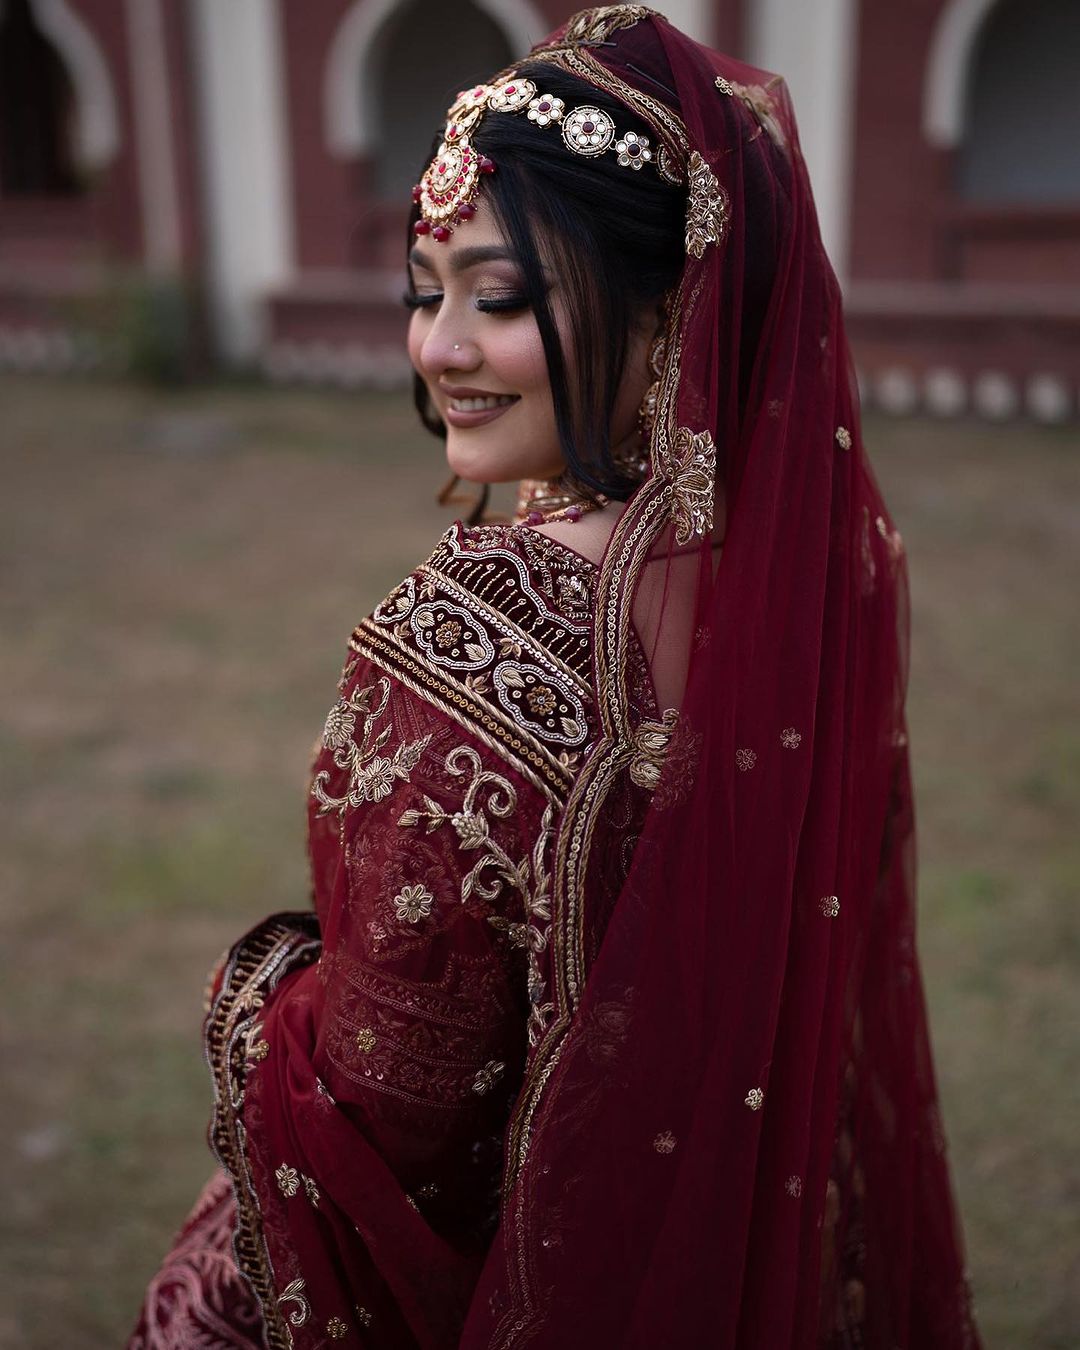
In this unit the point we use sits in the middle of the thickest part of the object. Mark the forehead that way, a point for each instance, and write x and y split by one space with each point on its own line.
473 242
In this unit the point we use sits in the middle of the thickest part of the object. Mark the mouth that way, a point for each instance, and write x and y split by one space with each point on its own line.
474 410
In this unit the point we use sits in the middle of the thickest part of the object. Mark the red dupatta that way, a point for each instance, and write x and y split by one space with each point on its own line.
730 1134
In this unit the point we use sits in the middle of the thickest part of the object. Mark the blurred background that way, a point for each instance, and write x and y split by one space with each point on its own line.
211 471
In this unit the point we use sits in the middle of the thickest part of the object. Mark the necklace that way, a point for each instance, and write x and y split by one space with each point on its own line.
540 502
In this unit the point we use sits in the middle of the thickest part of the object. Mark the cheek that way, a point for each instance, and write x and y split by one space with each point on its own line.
414 339
516 356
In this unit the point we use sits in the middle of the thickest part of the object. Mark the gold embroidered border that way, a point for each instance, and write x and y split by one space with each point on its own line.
528 756
259 960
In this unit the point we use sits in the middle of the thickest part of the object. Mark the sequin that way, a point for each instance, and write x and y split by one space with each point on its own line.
365 1040
336 1329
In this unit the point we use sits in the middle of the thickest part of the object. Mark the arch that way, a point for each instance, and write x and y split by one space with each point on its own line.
97 123
948 70
350 119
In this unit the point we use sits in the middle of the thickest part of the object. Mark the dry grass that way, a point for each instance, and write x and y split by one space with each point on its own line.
180 575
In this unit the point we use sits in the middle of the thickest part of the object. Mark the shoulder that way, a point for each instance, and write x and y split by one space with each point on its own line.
495 628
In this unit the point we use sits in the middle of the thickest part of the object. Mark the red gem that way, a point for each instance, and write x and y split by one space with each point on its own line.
417 190
573 513
440 234
487 165
587 128
534 518
421 227
543 106
442 167
511 88
466 210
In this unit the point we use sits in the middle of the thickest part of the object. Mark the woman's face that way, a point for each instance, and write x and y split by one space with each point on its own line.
475 343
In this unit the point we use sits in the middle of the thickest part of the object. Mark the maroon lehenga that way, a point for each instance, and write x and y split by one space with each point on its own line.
607 1027
364 1081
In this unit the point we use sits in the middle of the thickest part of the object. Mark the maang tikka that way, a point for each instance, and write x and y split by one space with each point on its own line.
446 194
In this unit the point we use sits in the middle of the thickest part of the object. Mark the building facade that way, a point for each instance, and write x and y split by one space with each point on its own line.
231 177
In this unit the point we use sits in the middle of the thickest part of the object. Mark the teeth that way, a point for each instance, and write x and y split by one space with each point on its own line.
480 404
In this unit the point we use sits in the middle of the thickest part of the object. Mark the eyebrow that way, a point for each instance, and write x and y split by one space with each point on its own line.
465 258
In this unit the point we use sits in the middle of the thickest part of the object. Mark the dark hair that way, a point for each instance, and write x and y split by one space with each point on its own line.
615 238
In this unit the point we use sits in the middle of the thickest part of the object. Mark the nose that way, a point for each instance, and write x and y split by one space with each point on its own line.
447 346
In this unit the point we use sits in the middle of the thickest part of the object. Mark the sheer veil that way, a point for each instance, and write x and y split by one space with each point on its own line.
728 1134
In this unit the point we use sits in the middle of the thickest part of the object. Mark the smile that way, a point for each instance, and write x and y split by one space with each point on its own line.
482 404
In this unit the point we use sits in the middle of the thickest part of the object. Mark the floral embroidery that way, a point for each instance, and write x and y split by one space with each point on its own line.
310 1189
365 1040
488 1076
363 1317
336 1329
691 475
757 99
590 27
288 1180
829 906
745 760
790 738
651 740
707 207
294 1293
413 903
793 1186
495 869
448 633
371 777
754 1099
843 438
541 699
546 109
725 86
633 151
664 1143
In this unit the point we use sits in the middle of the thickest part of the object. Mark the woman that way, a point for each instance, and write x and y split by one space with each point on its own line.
606 1029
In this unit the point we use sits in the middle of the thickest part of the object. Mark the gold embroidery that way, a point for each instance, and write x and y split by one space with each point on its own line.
651 741
294 1293
413 903
790 738
488 1076
362 1314
591 27
541 699
754 1099
288 1180
725 86
371 777
843 438
365 1040
745 760
310 1189
691 476
793 1186
336 1329
829 906
707 207
757 99
664 1143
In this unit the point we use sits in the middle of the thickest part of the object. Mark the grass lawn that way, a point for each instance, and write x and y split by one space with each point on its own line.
180 575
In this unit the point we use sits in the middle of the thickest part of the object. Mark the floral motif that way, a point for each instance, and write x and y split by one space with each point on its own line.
257 1047
665 1142
707 207
541 699
829 906
365 1040
546 109
363 1317
633 150
448 633
488 1076
512 94
790 738
725 86
310 1189
754 1099
340 725
651 740
745 760
757 99
288 1180
592 26
843 438
692 474
371 777
336 1329
793 1186
588 131
413 903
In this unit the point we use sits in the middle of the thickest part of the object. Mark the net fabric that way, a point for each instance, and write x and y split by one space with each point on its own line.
729 1134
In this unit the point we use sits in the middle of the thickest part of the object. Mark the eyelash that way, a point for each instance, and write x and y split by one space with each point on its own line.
506 305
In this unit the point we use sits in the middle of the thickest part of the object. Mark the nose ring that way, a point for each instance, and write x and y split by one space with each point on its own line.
457 346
